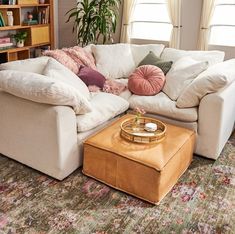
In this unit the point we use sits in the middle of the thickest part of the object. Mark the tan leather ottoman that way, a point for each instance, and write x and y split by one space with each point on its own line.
147 171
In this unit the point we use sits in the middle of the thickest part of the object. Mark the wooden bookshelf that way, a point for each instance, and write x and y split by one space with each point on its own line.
39 35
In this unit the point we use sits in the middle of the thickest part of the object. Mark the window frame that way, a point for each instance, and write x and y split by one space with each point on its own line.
149 22
221 25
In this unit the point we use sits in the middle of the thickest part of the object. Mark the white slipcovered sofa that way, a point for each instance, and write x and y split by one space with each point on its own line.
49 138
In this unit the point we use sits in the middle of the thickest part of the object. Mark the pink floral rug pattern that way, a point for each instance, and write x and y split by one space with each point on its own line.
203 201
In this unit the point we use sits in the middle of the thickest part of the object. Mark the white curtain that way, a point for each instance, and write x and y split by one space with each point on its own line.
207 13
174 10
128 9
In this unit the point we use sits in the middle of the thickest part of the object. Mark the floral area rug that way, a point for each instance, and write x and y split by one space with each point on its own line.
203 201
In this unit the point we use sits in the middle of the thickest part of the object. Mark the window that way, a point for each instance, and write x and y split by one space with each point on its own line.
222 28
151 20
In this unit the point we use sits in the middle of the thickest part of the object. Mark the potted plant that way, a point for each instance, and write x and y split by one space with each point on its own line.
94 20
20 38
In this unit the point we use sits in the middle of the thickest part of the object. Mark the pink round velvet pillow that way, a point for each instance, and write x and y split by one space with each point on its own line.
146 80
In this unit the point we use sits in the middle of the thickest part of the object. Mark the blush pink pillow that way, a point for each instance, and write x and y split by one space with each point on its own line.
146 80
63 58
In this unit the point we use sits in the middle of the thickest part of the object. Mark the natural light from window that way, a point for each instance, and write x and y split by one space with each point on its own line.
222 31
151 20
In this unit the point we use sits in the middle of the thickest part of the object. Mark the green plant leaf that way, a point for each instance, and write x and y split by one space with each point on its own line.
94 19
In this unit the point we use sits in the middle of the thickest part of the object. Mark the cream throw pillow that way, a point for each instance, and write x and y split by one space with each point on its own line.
211 80
61 73
39 88
114 61
181 74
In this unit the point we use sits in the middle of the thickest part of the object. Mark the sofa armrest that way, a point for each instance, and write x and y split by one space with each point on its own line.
216 121
41 136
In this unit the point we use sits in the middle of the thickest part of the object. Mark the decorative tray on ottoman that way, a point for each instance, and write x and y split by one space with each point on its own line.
135 131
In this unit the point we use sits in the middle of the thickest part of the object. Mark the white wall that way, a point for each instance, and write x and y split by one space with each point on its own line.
56 27
65 36
191 13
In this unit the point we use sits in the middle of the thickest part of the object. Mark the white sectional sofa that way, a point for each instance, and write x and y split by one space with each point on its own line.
49 138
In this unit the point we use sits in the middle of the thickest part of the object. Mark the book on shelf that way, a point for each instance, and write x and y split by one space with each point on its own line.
43 15
5 46
5 40
7 2
2 22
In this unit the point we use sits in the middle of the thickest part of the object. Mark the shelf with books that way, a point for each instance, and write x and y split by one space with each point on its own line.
4 16
13 28
8 2
9 6
16 49
30 16
34 5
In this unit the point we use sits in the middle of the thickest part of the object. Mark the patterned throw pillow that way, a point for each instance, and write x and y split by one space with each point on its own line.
152 59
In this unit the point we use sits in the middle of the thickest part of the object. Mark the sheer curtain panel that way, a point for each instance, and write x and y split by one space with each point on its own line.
206 16
128 8
174 8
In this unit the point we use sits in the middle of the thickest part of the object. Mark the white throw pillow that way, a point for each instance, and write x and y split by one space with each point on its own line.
114 61
61 73
35 65
105 106
213 56
39 88
211 80
181 74
140 51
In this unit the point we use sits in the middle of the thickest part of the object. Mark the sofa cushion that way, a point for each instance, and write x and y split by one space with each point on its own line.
181 75
42 89
213 56
105 106
211 80
146 80
152 59
161 104
61 73
114 61
140 51
35 65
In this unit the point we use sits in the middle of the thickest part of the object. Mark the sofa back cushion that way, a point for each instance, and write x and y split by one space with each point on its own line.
42 89
61 73
212 57
139 52
181 75
114 61
209 81
35 65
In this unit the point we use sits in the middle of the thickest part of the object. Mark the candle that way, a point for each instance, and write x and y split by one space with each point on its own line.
150 127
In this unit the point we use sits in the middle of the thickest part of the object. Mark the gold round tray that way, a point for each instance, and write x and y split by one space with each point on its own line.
135 132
